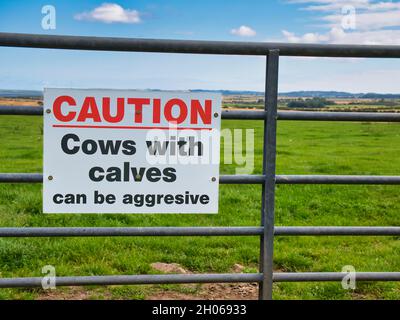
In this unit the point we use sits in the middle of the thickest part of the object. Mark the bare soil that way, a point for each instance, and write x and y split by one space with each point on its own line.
212 291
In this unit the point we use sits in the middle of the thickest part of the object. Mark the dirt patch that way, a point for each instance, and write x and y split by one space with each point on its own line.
169 267
212 291
69 293
238 268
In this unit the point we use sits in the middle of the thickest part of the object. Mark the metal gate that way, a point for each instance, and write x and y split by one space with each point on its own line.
267 231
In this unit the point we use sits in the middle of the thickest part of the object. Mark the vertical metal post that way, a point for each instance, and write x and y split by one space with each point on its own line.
268 188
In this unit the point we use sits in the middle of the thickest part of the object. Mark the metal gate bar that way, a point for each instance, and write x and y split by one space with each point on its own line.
8 232
133 279
268 179
195 47
247 179
269 170
255 115
129 231
197 278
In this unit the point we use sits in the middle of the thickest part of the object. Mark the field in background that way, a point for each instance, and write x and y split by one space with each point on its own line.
334 104
303 148
252 101
20 102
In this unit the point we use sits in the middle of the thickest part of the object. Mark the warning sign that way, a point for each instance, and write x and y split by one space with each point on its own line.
124 151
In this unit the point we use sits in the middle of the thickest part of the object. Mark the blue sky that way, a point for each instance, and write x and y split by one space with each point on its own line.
312 21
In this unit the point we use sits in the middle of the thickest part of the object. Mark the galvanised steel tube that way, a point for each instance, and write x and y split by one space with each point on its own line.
242 179
269 170
194 231
38 178
337 231
254 114
334 276
197 278
128 231
21 178
21 110
339 116
245 179
197 47
133 279
226 114
244 115
336 179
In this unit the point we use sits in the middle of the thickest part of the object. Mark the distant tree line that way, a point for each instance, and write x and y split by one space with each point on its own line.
310 103
380 102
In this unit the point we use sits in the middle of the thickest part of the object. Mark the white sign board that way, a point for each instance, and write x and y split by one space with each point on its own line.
124 151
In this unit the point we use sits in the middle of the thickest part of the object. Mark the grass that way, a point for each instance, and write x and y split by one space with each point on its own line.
303 148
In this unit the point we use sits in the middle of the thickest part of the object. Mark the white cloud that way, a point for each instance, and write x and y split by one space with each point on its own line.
368 20
331 5
244 31
374 22
325 1
306 38
338 35
110 13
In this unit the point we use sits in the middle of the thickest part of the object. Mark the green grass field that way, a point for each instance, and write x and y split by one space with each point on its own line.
303 148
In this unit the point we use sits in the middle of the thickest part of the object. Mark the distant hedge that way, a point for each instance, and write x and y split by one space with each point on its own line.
310 103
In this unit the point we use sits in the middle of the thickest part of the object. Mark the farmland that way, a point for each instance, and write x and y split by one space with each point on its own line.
330 104
303 148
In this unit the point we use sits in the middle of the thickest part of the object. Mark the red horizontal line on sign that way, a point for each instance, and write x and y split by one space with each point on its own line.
123 127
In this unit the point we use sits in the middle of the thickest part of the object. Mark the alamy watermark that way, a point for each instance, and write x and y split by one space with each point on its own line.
349 278
49 279
49 18
185 147
349 21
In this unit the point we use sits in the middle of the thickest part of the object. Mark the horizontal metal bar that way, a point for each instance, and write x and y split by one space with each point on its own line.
21 110
197 278
246 179
128 231
336 231
196 47
336 179
193 231
242 179
334 276
38 178
21 178
254 114
226 114
133 279
244 115
339 116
